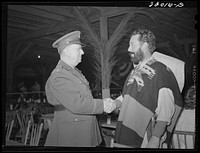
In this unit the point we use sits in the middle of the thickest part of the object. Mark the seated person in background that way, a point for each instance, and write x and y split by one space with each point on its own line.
186 121
36 114
23 90
36 88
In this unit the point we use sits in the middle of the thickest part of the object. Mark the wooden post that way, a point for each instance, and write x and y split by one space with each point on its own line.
9 77
9 70
104 63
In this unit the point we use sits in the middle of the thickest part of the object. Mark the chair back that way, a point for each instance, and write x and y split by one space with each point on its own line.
23 122
9 127
33 133
183 140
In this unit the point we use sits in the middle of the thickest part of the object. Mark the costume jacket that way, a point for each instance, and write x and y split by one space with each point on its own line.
74 122
151 91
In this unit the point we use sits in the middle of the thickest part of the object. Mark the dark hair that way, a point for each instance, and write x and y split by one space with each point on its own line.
146 36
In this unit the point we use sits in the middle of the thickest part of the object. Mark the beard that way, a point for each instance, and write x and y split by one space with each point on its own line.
139 56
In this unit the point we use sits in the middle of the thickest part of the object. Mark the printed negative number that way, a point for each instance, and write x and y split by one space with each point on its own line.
158 4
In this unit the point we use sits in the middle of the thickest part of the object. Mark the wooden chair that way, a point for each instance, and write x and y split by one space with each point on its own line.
33 133
183 140
23 123
9 127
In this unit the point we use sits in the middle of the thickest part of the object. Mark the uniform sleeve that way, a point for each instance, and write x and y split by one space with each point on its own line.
67 93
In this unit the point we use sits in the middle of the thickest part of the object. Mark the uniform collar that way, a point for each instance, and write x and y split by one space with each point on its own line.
74 71
65 65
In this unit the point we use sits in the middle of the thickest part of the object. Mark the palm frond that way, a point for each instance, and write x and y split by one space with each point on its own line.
92 38
103 52
112 63
122 28
87 29
114 82
119 33
97 67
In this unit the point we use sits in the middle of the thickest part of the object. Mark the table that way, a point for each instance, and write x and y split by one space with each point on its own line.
13 143
112 125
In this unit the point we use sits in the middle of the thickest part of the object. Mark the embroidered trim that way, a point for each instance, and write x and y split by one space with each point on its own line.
136 74
138 78
149 71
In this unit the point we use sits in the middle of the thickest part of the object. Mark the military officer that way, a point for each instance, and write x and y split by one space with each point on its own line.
74 123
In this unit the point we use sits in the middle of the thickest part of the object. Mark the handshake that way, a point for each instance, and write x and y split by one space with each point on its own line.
109 105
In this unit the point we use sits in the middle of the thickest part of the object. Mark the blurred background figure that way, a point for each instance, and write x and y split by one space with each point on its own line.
22 88
36 88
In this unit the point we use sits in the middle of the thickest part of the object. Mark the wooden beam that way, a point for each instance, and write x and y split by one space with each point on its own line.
55 9
22 21
168 22
115 11
43 43
22 26
62 26
179 19
36 12
24 17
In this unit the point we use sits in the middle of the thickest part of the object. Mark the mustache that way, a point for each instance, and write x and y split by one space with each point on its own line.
138 56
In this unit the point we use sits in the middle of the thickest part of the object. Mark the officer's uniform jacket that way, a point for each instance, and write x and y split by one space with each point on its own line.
74 122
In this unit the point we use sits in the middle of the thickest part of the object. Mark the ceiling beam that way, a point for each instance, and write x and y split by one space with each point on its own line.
174 16
61 26
21 20
115 11
22 26
55 9
24 17
49 30
36 12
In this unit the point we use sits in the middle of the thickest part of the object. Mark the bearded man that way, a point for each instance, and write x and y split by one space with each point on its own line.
151 101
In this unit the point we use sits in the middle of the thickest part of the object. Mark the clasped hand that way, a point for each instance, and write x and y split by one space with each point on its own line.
109 105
